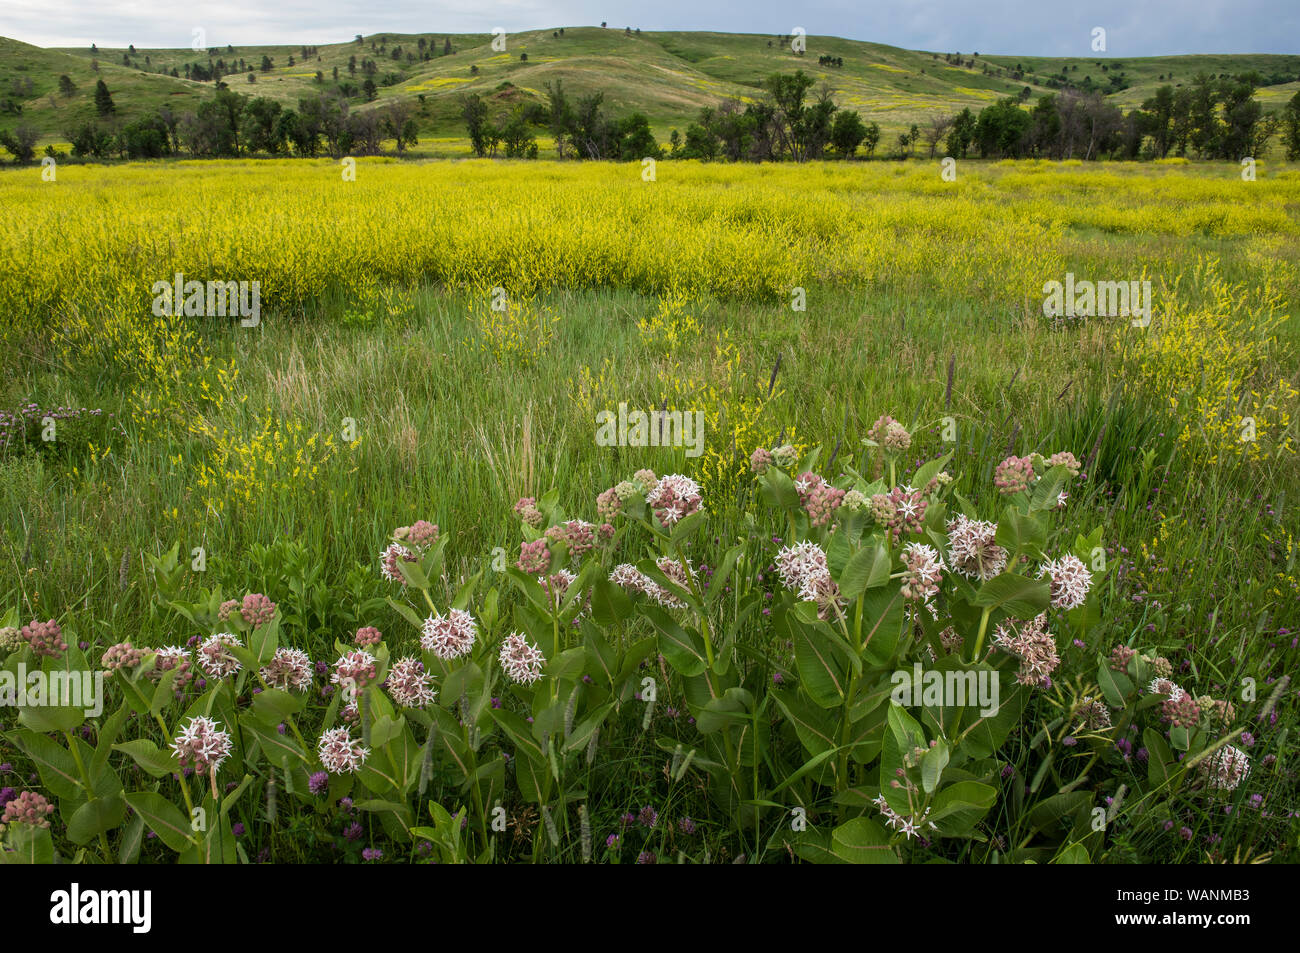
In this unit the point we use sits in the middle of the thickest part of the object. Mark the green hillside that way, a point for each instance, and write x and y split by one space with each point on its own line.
668 76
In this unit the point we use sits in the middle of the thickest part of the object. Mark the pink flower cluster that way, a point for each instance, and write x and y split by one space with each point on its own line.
215 657
339 754
408 684
1070 581
526 509
1033 645
1013 474
922 571
289 670
120 656
28 808
820 500
449 636
368 635
388 562
421 534
355 669
203 744
890 434
674 498
534 557
45 639
257 609
173 657
521 661
901 511
972 551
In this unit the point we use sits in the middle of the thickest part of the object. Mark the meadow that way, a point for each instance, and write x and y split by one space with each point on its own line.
435 342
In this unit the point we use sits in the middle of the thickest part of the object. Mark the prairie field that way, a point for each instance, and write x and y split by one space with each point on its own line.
436 342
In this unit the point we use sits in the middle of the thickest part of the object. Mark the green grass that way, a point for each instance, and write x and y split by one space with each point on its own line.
1205 553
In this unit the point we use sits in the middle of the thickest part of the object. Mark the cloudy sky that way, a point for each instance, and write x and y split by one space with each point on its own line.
1051 28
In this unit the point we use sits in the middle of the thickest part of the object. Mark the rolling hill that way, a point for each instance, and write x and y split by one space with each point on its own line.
668 76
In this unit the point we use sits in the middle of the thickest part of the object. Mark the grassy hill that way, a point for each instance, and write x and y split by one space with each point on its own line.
668 76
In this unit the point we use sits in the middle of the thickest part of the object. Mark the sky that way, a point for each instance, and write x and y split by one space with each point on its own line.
1013 27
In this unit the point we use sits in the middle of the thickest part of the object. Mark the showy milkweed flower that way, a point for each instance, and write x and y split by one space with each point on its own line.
408 684
526 509
1163 686
173 657
578 535
421 534
760 460
449 636
215 657
28 808
45 639
339 754
1065 459
121 655
389 559
1120 656
521 661
1013 474
1070 581
10 638
355 669
674 498
289 670
825 591
368 635
608 505
901 510
202 744
1033 645
1226 768
1093 713
922 571
890 434
534 557
820 499
1181 712
795 564
972 550
257 609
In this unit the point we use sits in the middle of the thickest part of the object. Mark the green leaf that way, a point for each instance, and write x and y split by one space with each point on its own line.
927 472
823 673
407 613
152 759
867 569
1160 760
1022 597
57 768
97 816
163 818
778 489
683 650
862 841
28 844
958 807
932 764
1114 685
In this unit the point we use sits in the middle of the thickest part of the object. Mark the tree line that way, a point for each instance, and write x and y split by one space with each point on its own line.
1212 118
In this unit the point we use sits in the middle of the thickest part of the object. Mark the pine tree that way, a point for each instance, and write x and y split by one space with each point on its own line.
103 99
